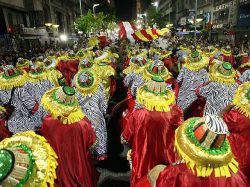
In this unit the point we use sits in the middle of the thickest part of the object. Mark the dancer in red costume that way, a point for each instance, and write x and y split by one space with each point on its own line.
154 120
70 134
238 122
227 56
68 66
205 155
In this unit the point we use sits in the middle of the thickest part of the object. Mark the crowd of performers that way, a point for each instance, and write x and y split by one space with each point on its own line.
185 118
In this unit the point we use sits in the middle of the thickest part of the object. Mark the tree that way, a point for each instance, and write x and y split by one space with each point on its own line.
156 17
94 23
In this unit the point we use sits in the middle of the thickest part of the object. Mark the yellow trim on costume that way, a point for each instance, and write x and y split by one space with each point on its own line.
105 71
24 65
54 75
201 163
166 55
196 66
245 65
37 77
154 102
240 101
66 114
226 53
17 81
218 77
2 109
87 91
133 68
39 63
185 49
210 54
45 158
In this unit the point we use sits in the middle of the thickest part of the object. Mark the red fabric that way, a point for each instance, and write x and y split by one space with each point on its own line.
27 69
143 182
242 70
239 128
126 63
244 60
196 109
35 108
168 62
151 135
229 58
180 175
103 41
68 68
71 144
4 132
112 86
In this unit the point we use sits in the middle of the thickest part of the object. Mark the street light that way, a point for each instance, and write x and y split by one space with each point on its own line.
95 5
63 37
155 4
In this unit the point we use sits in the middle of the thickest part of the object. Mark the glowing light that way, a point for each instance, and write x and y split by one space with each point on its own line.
64 37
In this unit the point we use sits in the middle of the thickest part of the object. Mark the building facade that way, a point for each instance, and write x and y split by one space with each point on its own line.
222 17
26 19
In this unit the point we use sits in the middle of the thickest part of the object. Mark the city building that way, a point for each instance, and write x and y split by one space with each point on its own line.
32 22
168 8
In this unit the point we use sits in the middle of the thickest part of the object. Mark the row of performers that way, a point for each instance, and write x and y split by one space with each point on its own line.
151 85
211 96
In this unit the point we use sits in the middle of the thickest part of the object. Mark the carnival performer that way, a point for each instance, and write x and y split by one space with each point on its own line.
205 158
23 107
38 82
26 159
23 64
70 134
244 62
68 66
219 91
192 75
154 120
94 104
237 118
227 56
245 76
106 73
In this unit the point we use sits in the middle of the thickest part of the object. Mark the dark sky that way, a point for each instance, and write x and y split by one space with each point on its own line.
125 9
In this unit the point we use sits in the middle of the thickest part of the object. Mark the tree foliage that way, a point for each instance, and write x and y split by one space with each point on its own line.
94 23
156 17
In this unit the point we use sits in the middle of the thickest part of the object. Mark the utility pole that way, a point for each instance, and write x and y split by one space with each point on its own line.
80 1
169 11
195 22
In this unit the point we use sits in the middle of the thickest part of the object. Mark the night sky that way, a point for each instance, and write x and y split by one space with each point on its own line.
125 9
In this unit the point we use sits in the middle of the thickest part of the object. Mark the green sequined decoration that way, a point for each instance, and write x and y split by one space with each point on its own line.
248 94
195 54
227 65
6 163
30 167
68 90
